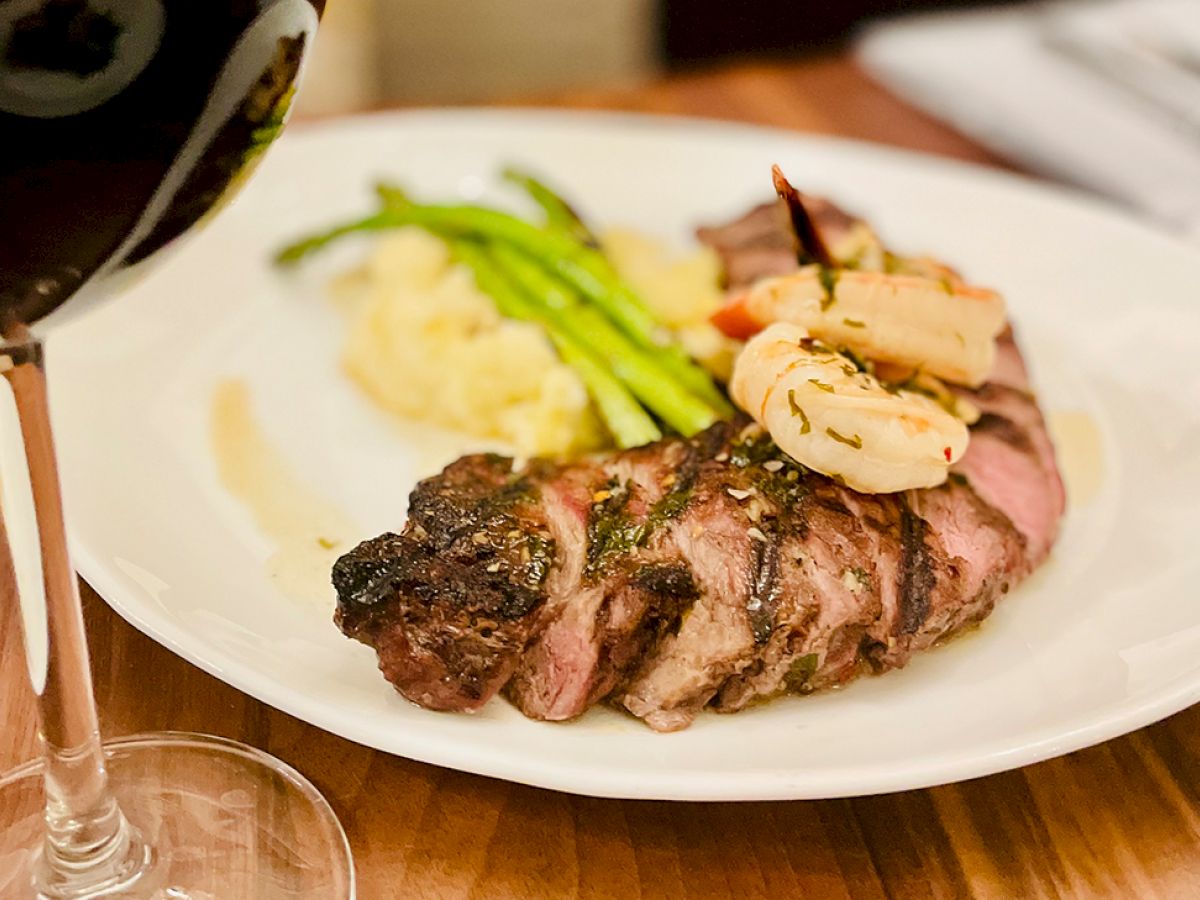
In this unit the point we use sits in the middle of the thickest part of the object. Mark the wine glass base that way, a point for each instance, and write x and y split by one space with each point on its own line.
220 819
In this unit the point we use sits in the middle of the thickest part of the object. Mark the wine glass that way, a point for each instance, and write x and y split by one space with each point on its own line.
123 123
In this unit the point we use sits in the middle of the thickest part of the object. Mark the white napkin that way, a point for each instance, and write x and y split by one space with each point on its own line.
1104 95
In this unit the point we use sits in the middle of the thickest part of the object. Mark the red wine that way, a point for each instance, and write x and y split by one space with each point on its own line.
123 122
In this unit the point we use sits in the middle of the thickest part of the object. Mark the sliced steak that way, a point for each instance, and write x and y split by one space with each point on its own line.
827 594
878 578
450 604
616 585
1010 461
714 538
763 244
757 245
974 556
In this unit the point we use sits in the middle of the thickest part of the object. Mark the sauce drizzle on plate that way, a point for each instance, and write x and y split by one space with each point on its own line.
308 532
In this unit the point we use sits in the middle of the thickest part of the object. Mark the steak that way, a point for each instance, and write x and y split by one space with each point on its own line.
690 573
473 560
757 245
762 243
713 571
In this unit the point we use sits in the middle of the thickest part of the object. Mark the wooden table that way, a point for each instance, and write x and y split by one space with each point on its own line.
1122 819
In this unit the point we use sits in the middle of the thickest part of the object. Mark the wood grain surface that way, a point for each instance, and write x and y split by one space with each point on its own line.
1118 820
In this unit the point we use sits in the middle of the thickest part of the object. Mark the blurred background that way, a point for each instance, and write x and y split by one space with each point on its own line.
1102 94
383 52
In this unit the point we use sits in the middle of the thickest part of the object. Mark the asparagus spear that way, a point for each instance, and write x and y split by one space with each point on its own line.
559 213
624 418
640 370
395 202
298 250
562 215
628 423
670 355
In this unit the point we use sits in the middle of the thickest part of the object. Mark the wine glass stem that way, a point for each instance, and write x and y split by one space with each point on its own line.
88 841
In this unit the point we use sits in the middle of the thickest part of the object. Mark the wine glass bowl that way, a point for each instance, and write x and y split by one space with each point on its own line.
125 123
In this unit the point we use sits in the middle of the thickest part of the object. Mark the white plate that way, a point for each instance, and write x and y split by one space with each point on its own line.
1104 639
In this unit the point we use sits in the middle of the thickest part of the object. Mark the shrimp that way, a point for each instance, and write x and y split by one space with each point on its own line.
941 327
918 382
830 416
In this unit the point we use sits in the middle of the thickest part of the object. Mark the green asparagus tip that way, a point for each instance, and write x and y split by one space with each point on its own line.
391 195
293 253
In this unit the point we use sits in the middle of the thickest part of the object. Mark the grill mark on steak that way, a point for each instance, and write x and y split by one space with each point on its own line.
1004 430
917 578
839 572
668 580
975 553
765 587
715 639
668 591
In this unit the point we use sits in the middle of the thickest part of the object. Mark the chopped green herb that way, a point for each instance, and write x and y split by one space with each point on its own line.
800 671
827 388
829 279
805 428
862 364
670 504
612 530
784 485
753 451
855 441
854 323
913 384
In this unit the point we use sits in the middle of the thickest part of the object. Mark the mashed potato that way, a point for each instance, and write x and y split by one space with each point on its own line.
426 343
